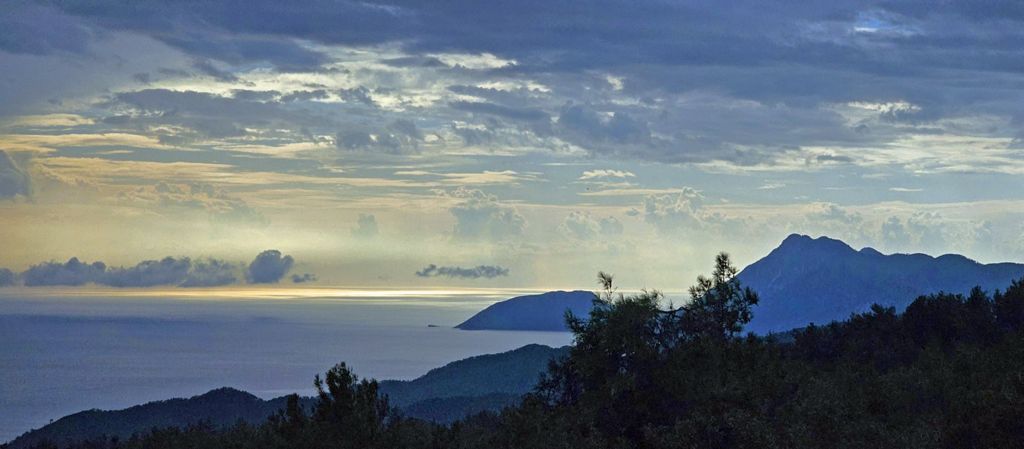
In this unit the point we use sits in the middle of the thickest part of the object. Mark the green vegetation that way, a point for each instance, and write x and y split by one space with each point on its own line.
947 373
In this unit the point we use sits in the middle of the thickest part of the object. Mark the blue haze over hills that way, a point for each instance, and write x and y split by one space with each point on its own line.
804 280
820 280
453 391
543 312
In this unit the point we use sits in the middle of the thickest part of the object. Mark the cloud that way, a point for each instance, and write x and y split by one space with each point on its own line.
480 215
358 95
675 212
268 267
366 227
211 273
479 271
148 273
833 212
22 24
187 116
610 226
7 278
71 273
304 95
221 207
600 174
583 226
399 137
519 114
894 234
739 85
285 55
305 277
14 181
595 130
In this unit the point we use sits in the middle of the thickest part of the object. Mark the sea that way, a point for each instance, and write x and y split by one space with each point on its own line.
67 350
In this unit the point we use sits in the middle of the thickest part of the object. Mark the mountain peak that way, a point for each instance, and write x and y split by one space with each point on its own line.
804 243
867 250
819 280
542 312
795 238
226 393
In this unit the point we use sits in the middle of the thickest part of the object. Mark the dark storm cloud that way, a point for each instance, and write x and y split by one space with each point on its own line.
206 67
72 273
148 273
841 36
401 136
586 35
415 61
525 114
254 95
169 271
268 267
305 95
577 34
7 277
358 95
619 128
14 180
769 71
284 54
212 116
211 273
23 24
479 271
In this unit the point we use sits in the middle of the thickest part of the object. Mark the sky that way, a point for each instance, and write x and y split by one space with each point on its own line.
501 144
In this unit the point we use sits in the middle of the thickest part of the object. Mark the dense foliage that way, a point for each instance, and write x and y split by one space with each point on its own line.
946 373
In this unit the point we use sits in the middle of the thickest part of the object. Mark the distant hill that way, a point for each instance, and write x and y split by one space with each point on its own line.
458 389
447 410
804 280
819 280
543 312
220 407
513 372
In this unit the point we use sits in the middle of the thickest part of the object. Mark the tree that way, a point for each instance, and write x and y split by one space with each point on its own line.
719 305
349 411
1009 307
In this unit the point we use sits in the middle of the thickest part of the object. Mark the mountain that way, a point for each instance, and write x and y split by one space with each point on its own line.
220 407
807 280
543 312
804 280
453 391
514 372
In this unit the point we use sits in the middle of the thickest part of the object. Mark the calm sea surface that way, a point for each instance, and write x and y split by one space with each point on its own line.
62 352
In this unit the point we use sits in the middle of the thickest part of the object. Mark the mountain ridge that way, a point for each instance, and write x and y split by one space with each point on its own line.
541 312
443 394
818 280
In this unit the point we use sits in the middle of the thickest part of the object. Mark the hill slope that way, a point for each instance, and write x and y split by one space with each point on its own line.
808 280
804 280
453 391
543 312
514 372
220 407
